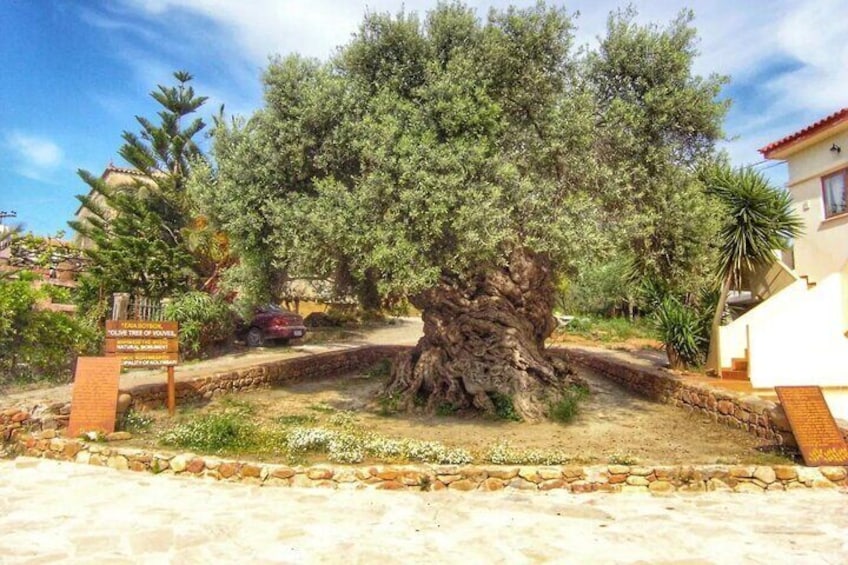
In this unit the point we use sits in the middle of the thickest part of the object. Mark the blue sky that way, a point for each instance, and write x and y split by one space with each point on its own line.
75 73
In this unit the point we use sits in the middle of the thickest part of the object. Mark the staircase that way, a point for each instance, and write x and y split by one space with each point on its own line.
738 370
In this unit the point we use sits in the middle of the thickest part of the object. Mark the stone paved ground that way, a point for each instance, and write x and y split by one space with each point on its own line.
58 512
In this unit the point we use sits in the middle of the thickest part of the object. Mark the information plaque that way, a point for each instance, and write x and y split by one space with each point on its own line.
815 430
142 343
94 399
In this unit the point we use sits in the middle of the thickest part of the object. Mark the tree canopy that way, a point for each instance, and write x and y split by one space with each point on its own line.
463 162
142 230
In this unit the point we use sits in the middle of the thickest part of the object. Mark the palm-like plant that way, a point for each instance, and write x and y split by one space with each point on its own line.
760 220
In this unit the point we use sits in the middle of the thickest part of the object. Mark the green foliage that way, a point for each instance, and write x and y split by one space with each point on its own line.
225 432
504 408
433 147
616 329
565 409
502 453
38 345
140 229
759 219
445 409
623 458
205 321
135 422
389 404
683 331
597 288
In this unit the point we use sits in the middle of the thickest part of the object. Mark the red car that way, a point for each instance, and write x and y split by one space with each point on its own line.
270 322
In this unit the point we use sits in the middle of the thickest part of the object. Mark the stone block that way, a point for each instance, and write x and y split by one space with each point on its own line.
748 487
835 474
637 481
765 474
463 484
785 472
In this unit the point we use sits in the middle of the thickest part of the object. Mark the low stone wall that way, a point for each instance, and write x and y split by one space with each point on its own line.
51 416
763 418
574 478
265 375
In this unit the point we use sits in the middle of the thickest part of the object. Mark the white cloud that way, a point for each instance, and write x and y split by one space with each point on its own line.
34 156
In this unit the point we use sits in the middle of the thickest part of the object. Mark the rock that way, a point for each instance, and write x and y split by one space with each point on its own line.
448 479
636 481
71 449
281 472
572 472
521 484
661 487
552 484
118 462
196 466
391 485
124 401
746 472
48 434
765 474
618 469
57 444
83 457
550 473
252 472
617 479
503 473
118 436
530 474
19 417
178 463
748 487
582 486
641 471
822 483
718 485
227 470
785 472
318 473
492 484
463 484
834 474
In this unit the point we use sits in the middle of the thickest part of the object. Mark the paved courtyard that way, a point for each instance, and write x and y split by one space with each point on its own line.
54 512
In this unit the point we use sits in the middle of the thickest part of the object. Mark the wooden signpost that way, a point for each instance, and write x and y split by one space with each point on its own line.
813 425
94 399
141 343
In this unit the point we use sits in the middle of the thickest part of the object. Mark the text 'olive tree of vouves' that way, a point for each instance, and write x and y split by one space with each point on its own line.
450 161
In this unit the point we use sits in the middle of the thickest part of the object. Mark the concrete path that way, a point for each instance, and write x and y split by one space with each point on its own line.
54 512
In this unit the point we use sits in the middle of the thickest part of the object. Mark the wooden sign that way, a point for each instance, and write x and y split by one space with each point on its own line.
143 343
813 425
94 399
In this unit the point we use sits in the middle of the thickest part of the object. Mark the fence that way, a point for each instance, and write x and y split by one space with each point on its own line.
126 307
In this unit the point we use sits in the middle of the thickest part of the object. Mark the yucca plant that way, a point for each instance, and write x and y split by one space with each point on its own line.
681 329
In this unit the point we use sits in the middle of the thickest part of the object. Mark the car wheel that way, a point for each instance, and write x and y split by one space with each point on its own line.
255 338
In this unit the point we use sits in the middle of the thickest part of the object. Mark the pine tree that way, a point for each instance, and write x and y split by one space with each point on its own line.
138 229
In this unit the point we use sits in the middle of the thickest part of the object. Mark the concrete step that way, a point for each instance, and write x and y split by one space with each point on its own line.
734 375
738 364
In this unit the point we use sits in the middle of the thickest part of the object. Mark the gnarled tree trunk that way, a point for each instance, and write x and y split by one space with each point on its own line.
484 337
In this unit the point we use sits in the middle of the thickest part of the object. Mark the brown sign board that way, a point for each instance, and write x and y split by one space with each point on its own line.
815 430
142 343
94 399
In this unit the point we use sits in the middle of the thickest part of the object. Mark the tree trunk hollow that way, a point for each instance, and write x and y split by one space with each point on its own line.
483 338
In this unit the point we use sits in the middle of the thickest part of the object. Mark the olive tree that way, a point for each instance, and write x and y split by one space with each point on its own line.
457 162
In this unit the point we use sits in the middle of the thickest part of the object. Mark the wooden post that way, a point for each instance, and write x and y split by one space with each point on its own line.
172 391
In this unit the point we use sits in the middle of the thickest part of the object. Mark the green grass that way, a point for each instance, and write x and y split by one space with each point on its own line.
566 408
610 329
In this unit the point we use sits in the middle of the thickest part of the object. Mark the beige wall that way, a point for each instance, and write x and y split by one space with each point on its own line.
823 248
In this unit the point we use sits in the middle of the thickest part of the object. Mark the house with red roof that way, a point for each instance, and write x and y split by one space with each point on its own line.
796 333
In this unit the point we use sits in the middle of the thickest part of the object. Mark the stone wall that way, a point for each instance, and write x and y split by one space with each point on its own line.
265 375
763 418
55 415
572 478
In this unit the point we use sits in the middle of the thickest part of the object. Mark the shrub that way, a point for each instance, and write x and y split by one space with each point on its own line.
682 330
205 321
566 408
213 433
38 345
504 408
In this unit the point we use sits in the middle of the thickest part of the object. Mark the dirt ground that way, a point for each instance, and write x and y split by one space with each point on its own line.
612 425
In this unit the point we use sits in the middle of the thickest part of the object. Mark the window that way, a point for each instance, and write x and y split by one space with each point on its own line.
833 188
